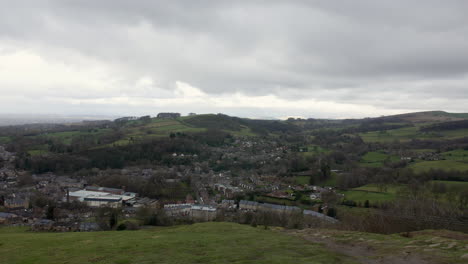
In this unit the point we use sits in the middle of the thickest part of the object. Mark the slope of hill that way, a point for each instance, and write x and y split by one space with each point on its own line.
230 243
198 243
431 116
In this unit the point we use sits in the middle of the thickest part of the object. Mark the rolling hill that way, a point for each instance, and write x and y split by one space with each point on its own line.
229 243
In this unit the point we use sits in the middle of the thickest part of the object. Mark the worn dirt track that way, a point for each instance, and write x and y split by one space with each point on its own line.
370 251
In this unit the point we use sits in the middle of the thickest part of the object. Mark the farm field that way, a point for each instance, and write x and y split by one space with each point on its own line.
408 133
373 193
454 186
458 154
4 140
377 159
439 165
303 180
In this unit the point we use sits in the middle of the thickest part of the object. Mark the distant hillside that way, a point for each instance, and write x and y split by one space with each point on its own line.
451 125
431 116
253 126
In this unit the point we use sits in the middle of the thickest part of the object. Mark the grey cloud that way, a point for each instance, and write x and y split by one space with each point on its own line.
342 51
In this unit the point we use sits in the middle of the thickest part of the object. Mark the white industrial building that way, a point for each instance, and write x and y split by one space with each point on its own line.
101 198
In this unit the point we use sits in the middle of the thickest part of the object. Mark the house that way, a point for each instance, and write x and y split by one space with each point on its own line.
176 210
203 212
248 205
228 204
125 119
16 203
267 207
7 218
275 208
315 196
143 202
88 226
42 225
168 115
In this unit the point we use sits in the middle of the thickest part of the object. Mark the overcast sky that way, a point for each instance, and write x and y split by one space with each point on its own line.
245 58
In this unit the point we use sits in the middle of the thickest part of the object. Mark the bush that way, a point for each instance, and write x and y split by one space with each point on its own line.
331 212
127 225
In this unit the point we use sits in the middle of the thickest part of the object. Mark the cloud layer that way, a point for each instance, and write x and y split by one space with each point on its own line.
246 58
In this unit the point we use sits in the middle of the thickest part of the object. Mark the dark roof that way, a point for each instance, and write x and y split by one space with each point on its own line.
103 199
7 215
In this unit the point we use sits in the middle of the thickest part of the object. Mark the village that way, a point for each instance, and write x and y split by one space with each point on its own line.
50 202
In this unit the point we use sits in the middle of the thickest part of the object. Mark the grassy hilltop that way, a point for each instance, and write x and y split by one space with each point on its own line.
230 243
199 243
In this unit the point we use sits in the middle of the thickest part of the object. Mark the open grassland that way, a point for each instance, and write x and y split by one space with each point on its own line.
243 132
409 133
373 197
314 150
458 155
198 243
392 189
400 134
377 159
454 186
372 192
439 165
37 152
303 180
5 140
67 137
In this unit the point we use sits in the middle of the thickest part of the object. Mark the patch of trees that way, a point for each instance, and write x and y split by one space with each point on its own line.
270 126
452 125
375 125
158 151
217 122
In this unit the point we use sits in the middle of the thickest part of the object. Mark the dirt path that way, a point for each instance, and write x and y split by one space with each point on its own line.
367 251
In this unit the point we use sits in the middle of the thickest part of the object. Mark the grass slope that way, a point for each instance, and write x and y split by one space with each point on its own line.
377 159
411 132
373 193
439 164
198 243
428 246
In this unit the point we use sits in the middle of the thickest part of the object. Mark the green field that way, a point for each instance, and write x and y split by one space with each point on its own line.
377 159
67 137
409 133
303 180
458 155
37 152
313 150
454 186
244 131
401 134
372 192
198 243
4 140
439 165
